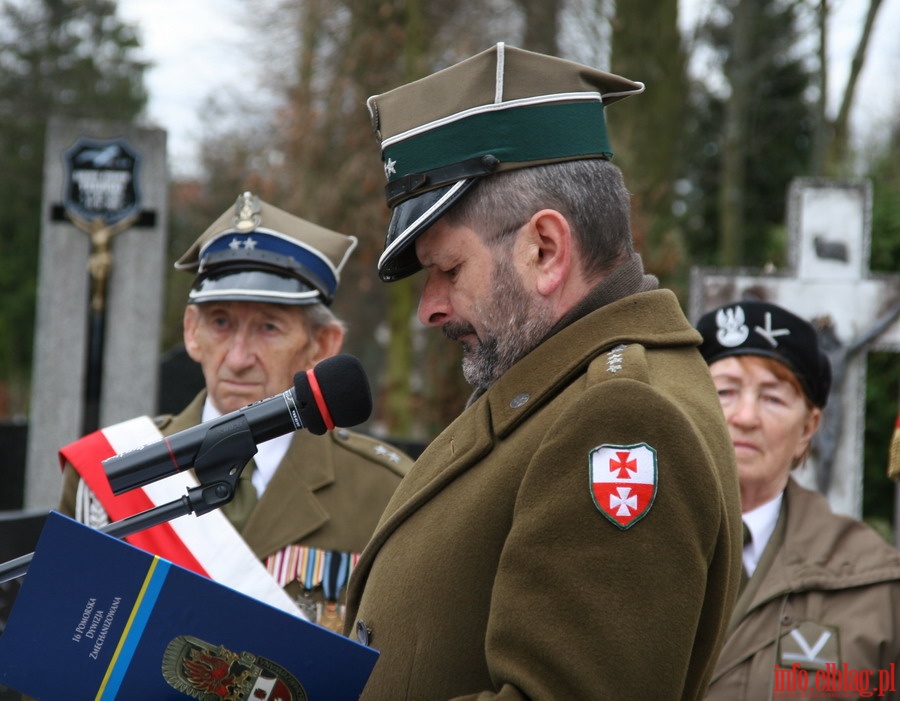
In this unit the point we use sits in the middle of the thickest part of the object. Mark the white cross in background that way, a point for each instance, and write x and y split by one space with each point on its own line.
827 282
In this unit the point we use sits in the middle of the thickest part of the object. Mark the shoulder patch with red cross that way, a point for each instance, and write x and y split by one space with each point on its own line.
623 481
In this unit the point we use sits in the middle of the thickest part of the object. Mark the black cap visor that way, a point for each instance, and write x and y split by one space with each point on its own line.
408 220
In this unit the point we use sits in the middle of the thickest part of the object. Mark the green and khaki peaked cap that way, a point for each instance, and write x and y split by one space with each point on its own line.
499 110
255 252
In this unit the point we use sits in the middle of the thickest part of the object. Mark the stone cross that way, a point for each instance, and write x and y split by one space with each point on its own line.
828 283
132 284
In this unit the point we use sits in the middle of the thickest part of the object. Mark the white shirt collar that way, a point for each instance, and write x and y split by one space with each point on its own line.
268 456
761 522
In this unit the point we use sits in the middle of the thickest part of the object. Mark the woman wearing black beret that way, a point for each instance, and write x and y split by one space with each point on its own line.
819 612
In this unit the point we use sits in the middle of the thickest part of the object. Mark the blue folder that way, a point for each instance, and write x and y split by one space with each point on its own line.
97 618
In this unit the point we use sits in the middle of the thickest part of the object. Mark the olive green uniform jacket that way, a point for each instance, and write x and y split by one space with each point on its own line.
827 589
493 574
327 493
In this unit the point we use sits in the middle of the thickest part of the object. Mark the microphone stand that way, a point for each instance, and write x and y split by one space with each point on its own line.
218 467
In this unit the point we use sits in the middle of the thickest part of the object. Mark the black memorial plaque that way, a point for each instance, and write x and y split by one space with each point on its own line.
102 180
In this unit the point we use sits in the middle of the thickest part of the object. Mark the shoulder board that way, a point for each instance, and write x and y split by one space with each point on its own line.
621 361
373 449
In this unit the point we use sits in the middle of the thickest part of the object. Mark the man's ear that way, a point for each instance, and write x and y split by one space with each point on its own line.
328 340
550 250
191 321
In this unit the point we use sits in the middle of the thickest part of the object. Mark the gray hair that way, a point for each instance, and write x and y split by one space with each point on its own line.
314 316
317 315
589 193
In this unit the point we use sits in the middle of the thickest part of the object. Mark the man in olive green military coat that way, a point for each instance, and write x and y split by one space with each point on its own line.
575 533
259 312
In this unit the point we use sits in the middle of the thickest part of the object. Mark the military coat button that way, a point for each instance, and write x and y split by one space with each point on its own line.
519 400
362 633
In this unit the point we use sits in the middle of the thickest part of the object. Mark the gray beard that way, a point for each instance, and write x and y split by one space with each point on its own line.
514 325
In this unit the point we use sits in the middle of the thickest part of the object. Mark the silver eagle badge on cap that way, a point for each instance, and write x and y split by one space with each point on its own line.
733 330
247 212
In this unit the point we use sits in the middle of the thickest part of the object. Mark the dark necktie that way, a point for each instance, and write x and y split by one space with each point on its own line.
245 497
747 538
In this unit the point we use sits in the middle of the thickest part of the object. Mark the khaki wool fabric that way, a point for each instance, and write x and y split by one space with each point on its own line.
513 583
824 577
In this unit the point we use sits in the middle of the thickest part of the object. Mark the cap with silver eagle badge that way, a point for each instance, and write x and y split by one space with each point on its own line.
752 327
255 252
500 110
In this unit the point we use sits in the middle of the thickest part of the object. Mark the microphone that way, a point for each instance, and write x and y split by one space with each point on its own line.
333 393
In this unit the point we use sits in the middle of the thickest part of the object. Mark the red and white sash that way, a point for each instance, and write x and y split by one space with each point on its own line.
208 545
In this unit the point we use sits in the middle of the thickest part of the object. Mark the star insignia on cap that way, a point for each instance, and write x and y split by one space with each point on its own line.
389 454
389 168
248 244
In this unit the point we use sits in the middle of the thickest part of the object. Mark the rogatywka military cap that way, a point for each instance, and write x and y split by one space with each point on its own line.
754 327
255 252
499 110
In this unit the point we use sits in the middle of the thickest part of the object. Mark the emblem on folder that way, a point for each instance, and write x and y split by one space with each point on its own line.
623 481
214 673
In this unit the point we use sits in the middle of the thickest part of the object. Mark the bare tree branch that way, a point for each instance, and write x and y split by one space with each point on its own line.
838 152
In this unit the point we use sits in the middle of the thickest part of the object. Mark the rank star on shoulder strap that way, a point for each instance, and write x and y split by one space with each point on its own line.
211 547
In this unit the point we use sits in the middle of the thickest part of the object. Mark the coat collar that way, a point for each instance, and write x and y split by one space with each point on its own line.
816 550
646 319
651 319
823 550
188 418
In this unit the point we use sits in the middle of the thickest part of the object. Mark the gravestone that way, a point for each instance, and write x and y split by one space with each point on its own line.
13 437
827 282
100 288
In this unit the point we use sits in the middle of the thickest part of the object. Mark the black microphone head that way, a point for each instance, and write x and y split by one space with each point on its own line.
343 388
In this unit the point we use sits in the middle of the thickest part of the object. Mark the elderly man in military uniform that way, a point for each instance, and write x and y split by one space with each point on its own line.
575 532
258 312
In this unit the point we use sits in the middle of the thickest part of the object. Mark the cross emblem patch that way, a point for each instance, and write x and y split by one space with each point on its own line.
623 481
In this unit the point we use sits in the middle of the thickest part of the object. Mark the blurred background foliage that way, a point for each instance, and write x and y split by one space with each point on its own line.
733 111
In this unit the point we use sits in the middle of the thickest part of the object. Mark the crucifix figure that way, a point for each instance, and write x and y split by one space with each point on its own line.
101 198
100 258
99 265
827 282
825 442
